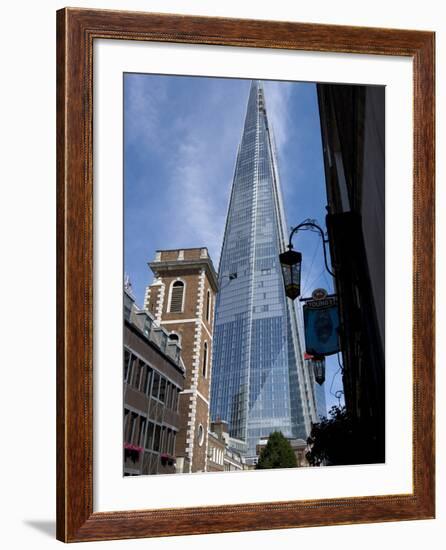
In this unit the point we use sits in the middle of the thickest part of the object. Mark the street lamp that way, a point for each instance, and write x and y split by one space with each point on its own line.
291 261
231 277
319 369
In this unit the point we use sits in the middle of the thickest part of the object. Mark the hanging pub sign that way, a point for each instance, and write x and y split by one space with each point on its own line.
321 320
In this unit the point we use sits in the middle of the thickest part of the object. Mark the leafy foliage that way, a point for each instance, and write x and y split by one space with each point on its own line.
277 453
335 441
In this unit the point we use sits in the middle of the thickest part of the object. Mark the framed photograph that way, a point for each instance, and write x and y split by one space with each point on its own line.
245 275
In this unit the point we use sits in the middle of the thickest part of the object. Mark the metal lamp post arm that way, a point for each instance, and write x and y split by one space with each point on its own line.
324 240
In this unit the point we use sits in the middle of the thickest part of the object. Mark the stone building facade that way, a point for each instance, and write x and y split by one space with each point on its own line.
154 376
222 454
216 453
182 298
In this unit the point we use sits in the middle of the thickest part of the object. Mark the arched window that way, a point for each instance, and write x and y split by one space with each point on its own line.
208 305
176 297
200 435
205 359
173 336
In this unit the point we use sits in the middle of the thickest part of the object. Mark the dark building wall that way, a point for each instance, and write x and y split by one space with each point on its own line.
373 197
353 136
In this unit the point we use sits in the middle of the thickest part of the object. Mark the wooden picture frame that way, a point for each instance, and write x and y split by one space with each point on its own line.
76 31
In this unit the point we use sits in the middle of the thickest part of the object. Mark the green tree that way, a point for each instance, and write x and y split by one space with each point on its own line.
277 453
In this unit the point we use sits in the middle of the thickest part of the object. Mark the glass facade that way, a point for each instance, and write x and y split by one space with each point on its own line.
321 404
259 380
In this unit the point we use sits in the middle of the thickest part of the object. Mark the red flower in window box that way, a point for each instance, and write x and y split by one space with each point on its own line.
132 451
167 459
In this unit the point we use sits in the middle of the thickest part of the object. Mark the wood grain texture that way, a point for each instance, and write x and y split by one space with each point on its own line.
76 31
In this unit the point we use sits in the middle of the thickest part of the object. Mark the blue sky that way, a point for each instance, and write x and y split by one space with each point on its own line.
180 142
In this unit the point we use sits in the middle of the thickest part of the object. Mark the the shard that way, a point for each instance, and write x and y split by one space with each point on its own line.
260 382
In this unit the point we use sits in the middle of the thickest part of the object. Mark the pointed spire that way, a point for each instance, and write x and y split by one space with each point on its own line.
128 285
254 235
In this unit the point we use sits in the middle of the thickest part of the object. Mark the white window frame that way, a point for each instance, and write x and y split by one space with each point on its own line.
200 435
176 334
205 361
178 279
208 306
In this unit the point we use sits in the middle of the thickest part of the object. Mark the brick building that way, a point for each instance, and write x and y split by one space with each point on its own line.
153 378
181 298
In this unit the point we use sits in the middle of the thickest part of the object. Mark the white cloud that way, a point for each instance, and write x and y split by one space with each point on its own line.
199 217
199 193
203 164
201 173
145 99
277 97
198 148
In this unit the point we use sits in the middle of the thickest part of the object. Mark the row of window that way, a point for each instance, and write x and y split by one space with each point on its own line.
230 308
149 381
217 456
259 309
148 435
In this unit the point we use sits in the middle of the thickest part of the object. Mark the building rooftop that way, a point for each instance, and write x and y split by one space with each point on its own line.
186 258
184 253
145 323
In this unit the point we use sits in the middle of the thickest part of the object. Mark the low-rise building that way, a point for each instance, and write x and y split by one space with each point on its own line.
222 455
233 460
154 376
216 453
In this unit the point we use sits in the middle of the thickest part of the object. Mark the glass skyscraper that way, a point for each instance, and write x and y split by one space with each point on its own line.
260 382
